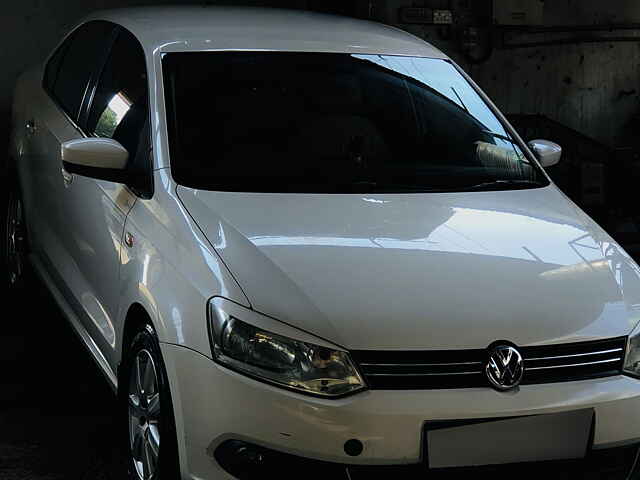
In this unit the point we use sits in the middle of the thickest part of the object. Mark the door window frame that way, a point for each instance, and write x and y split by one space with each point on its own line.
64 45
79 123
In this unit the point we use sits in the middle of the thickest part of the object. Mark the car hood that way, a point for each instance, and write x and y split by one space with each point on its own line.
424 271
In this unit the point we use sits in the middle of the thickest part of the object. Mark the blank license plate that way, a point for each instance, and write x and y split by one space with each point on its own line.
533 438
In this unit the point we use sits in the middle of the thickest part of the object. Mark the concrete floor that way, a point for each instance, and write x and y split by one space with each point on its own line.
57 414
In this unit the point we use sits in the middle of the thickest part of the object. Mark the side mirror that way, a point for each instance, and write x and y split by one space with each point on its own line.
548 153
101 158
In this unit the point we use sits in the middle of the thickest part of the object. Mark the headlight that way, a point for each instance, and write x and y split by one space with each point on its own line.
632 358
278 359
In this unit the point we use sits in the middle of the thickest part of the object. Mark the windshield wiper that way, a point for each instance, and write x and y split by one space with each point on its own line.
509 184
366 186
461 102
499 135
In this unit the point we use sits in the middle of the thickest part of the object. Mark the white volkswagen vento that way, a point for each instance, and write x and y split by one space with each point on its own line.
302 245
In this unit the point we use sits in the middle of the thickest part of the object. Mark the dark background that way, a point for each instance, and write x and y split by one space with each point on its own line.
57 413
565 70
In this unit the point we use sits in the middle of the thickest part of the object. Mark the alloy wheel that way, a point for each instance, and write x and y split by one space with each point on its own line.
144 415
14 240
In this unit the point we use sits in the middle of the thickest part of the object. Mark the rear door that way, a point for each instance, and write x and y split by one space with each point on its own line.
96 210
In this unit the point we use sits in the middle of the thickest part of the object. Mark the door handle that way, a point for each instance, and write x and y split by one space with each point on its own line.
31 127
67 177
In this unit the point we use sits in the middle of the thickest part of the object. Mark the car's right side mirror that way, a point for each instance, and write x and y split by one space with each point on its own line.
548 153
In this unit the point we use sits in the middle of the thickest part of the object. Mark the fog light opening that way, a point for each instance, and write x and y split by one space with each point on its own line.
240 458
353 447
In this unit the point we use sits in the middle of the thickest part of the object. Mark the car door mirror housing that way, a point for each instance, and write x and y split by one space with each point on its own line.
548 153
100 158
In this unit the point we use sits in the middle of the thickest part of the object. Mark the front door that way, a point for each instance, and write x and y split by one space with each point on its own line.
53 121
97 209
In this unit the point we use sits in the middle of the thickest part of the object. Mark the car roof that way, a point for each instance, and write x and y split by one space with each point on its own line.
199 28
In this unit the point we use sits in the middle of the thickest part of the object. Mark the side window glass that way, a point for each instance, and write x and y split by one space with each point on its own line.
119 109
70 69
53 66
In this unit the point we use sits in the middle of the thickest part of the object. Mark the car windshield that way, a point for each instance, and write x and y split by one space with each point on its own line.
334 123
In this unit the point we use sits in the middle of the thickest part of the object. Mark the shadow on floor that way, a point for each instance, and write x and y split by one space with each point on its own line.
57 413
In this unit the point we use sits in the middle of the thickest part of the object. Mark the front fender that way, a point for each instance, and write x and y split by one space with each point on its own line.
171 270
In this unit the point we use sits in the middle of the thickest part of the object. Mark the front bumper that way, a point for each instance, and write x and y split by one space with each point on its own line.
213 405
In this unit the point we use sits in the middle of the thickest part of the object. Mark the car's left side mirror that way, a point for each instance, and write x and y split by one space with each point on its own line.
101 158
548 153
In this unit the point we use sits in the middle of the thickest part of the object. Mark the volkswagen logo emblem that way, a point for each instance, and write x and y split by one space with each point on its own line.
504 368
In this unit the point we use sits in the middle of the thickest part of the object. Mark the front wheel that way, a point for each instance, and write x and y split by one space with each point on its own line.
150 426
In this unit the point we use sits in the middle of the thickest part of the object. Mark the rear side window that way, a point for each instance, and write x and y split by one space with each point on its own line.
119 109
69 70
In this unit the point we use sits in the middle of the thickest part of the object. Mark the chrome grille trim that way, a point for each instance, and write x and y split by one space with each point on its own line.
438 369
420 374
417 364
575 364
578 354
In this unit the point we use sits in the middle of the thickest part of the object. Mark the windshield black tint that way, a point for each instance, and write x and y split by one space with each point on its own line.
334 123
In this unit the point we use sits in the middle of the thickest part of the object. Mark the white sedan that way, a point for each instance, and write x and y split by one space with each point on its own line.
300 245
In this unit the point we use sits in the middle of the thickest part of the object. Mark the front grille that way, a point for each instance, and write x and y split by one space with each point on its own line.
577 361
436 369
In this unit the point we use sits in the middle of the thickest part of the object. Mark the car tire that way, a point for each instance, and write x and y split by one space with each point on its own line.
14 237
145 400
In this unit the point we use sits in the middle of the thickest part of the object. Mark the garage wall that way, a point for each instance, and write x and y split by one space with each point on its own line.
592 87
